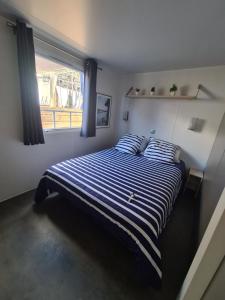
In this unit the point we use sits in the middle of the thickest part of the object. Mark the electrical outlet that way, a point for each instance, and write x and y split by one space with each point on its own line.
153 131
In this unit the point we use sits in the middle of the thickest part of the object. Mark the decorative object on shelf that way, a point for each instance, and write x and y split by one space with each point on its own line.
129 92
103 108
173 90
152 92
143 92
184 90
137 91
125 115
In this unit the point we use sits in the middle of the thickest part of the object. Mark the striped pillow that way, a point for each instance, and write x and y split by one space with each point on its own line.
144 144
129 143
161 150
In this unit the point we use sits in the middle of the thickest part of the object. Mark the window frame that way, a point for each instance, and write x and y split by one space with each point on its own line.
61 56
57 110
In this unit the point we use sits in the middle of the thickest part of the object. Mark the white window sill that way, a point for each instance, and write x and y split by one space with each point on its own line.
58 130
64 130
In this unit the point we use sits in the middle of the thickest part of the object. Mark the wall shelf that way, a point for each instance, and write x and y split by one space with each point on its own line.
166 96
161 97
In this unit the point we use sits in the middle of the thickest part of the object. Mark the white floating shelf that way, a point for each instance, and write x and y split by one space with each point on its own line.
161 97
166 96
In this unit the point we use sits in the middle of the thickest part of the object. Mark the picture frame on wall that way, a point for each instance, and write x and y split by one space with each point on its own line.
103 110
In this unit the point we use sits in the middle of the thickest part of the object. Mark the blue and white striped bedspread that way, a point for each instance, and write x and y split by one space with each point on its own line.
130 193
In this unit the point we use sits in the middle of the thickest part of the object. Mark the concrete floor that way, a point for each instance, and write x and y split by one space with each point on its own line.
59 253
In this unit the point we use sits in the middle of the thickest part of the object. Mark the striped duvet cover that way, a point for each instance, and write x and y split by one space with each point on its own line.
131 195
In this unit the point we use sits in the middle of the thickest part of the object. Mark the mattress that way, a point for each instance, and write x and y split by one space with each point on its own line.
130 195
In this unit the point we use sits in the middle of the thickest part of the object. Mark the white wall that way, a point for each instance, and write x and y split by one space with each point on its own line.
206 265
216 289
170 118
21 166
214 179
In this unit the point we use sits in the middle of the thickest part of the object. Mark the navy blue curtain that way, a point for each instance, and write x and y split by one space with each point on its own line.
32 127
88 128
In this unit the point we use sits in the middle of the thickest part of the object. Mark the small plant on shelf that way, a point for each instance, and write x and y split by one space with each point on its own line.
173 90
137 92
152 92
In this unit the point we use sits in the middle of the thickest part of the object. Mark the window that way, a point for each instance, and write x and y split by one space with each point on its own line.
60 94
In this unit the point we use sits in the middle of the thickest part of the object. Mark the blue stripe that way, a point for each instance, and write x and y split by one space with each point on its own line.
105 181
160 150
129 143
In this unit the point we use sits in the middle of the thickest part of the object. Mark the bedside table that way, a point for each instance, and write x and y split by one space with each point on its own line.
194 180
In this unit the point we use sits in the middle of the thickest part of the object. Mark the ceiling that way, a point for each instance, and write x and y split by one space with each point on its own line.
133 35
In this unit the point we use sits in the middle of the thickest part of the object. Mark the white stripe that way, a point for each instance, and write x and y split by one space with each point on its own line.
142 185
113 173
143 170
109 198
129 143
170 202
144 164
167 170
102 170
111 209
144 251
126 170
177 178
165 175
132 170
161 150
114 188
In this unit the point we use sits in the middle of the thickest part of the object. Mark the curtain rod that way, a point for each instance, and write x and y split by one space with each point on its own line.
13 26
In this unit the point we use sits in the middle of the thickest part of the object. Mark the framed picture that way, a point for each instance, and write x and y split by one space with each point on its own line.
103 108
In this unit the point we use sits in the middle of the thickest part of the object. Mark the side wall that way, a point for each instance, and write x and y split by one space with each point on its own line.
216 289
214 179
207 263
170 118
22 166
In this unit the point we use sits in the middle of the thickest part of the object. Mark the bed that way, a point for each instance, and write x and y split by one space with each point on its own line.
130 195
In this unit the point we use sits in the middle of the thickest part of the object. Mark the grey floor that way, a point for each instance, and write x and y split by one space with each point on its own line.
59 253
